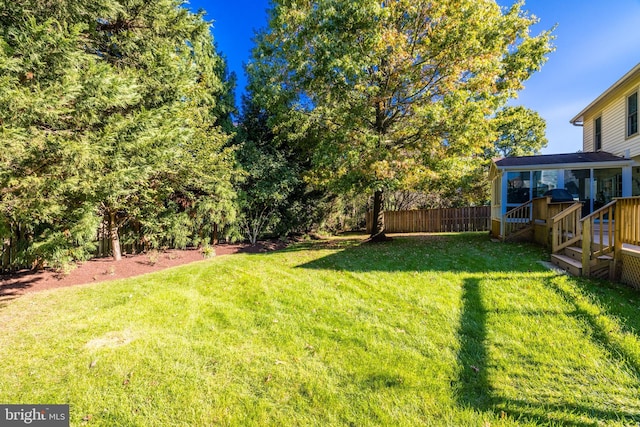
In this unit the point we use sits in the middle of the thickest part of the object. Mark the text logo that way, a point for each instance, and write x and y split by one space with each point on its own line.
34 415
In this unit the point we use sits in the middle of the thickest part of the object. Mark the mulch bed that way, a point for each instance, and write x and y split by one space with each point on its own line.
102 269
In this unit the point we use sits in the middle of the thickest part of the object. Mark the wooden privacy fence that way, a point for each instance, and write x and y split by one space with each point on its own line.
13 247
131 237
476 218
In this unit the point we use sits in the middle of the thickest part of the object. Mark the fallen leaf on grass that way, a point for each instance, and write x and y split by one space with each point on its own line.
127 379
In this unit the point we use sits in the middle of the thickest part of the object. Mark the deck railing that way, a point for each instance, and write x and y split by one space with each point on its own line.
603 232
517 219
565 227
598 237
628 220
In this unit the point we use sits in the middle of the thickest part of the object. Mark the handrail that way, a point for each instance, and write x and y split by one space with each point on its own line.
522 213
591 249
605 207
606 236
560 215
518 208
565 227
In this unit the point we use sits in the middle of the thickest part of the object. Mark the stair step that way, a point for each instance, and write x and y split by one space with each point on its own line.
600 271
573 252
568 264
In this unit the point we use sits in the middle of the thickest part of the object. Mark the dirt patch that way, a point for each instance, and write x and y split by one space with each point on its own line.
102 269
111 340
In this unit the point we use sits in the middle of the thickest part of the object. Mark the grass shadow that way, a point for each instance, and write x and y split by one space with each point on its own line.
598 310
474 255
472 387
454 252
523 410
11 284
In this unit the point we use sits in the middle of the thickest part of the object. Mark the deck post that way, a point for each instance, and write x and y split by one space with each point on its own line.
586 247
617 222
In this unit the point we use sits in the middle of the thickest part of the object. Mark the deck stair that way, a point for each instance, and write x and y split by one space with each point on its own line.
520 231
604 244
588 248
570 260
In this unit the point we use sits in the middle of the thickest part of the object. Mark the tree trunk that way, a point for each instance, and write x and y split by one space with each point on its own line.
377 226
113 235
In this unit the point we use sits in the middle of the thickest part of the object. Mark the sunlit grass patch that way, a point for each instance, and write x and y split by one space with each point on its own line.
449 329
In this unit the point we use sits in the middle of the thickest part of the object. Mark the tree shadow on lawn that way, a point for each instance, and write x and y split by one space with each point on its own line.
588 305
453 252
474 386
474 256
11 284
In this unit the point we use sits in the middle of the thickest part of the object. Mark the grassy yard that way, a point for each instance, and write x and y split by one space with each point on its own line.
440 330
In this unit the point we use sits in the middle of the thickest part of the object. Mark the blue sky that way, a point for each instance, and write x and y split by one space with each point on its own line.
597 42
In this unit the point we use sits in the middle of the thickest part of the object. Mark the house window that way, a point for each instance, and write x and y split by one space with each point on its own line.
597 134
632 114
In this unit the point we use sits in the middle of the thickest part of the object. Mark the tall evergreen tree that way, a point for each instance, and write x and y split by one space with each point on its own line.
109 109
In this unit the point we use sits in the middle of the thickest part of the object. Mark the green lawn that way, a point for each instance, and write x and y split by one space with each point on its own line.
441 330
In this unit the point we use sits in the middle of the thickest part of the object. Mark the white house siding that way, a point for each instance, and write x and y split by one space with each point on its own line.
613 113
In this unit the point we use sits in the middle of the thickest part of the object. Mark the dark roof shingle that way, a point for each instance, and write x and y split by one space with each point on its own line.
557 159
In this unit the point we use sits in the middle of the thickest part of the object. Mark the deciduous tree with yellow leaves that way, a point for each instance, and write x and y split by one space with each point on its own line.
389 89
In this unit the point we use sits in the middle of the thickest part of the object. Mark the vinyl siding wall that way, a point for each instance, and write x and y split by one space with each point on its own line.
614 121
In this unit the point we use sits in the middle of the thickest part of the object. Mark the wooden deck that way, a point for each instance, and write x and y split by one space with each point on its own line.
591 246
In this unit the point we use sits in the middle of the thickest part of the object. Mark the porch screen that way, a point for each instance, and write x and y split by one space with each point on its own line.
578 183
608 185
544 181
518 187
